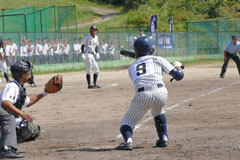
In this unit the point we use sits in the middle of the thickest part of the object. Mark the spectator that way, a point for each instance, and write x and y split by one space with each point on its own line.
14 50
66 51
23 51
76 50
8 50
30 51
56 51
45 49
111 50
50 51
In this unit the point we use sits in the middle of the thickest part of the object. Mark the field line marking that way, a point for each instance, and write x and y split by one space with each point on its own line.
184 101
104 86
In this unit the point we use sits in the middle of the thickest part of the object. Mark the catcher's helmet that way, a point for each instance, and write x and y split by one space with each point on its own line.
144 46
21 67
93 28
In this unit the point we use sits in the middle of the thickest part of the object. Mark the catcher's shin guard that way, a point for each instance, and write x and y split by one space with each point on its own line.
161 126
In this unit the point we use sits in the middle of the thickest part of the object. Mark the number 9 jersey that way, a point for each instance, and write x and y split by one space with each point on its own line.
148 71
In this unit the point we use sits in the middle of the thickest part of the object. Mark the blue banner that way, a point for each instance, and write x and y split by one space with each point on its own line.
170 22
153 23
165 41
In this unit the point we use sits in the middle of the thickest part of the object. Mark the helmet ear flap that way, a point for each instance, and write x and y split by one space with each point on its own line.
152 51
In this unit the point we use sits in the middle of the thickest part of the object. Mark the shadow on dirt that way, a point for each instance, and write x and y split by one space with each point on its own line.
90 149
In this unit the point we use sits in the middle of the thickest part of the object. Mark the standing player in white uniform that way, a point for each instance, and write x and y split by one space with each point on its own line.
3 64
147 73
90 47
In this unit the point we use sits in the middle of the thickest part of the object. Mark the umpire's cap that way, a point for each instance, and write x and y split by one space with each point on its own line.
234 37
93 28
21 67
144 46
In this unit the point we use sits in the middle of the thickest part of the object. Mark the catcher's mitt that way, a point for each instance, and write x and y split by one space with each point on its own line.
54 84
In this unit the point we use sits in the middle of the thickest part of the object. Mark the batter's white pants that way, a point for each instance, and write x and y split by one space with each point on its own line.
142 102
91 64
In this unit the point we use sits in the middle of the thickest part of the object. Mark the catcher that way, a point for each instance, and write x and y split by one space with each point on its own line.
13 99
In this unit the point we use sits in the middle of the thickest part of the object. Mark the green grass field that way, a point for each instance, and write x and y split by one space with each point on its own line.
70 67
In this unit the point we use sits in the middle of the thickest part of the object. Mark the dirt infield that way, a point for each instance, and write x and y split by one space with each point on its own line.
77 123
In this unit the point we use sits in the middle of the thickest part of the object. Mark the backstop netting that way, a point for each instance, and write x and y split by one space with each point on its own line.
47 19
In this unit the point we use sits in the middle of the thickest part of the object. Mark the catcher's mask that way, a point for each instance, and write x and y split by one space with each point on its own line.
144 46
21 67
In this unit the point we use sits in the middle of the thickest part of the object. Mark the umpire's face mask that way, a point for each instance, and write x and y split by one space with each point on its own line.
31 79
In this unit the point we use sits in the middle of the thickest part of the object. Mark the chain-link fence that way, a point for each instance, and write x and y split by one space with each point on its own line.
217 25
127 29
211 34
52 48
47 19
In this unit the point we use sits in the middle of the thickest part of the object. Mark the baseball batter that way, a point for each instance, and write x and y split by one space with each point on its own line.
147 73
90 48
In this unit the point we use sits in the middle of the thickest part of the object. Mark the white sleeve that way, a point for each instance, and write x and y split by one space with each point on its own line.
97 42
85 41
10 93
166 66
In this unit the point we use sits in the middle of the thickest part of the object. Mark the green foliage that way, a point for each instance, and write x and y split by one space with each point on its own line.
141 18
181 11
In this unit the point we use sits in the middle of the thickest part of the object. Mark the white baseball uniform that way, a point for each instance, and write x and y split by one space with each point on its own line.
90 43
3 64
146 73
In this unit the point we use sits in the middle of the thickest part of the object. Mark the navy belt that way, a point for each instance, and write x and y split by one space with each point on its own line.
159 85
90 52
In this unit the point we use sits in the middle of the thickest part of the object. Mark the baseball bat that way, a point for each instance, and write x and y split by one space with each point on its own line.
128 53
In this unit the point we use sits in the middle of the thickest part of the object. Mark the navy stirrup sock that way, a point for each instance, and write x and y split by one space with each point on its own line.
126 132
95 76
88 79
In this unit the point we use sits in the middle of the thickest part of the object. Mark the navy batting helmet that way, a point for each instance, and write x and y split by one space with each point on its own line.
144 46
21 67
93 28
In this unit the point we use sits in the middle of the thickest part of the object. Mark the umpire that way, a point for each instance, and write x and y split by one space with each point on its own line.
230 51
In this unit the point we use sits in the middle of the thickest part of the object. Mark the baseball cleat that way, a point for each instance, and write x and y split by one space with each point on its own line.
222 75
9 152
96 86
90 86
161 143
125 146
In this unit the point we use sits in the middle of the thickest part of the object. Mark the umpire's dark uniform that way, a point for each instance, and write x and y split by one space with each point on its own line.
8 129
230 51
